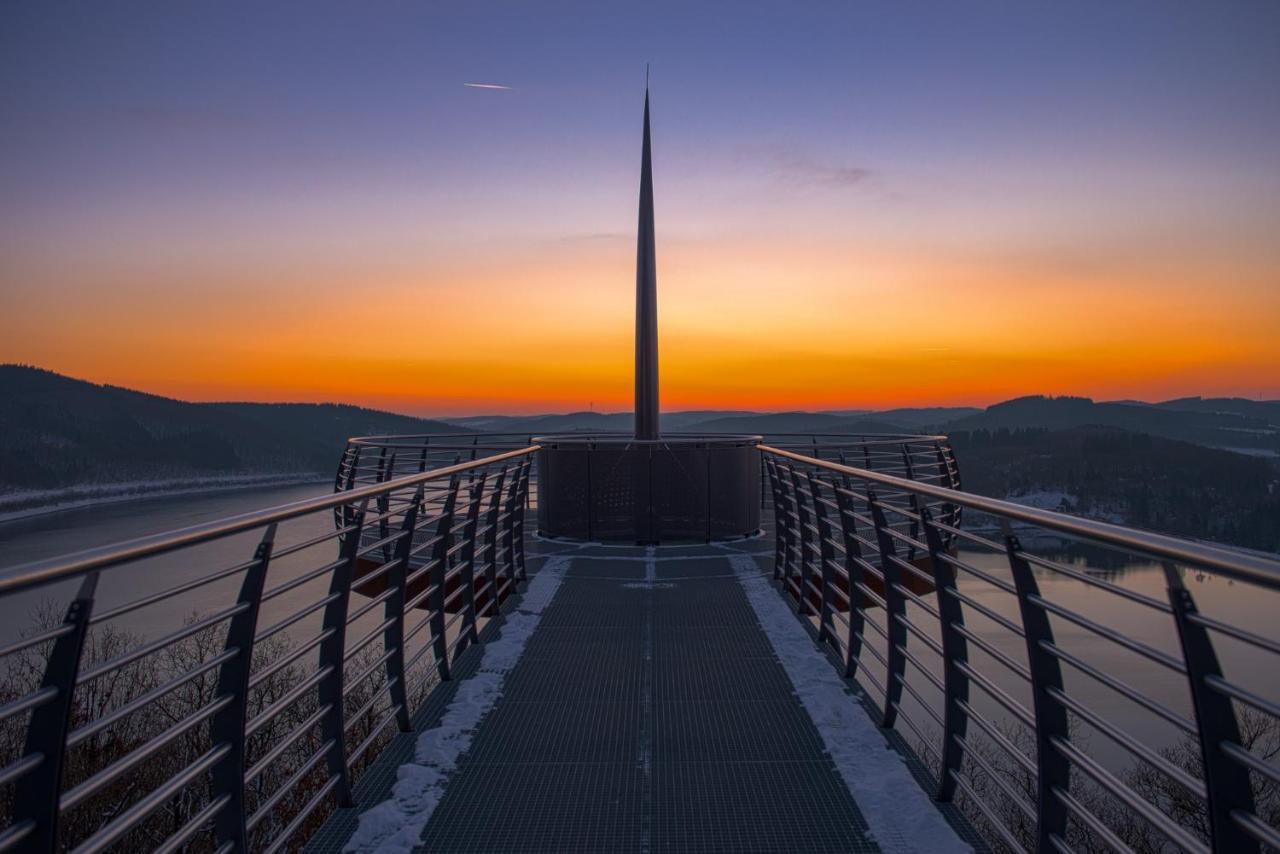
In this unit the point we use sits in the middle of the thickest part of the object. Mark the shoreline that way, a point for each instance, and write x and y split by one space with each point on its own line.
81 497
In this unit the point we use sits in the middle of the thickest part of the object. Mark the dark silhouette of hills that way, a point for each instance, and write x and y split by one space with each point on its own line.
1135 478
1233 424
1148 464
56 431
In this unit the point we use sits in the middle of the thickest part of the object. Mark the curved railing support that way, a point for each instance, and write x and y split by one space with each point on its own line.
1053 771
333 651
36 800
955 720
1227 781
227 776
895 613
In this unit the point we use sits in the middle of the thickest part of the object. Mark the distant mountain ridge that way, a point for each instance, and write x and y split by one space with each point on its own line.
60 435
56 431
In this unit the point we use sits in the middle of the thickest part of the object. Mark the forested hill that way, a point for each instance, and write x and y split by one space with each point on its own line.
1137 479
56 432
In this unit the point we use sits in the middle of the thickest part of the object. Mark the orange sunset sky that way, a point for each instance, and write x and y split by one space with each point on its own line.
856 207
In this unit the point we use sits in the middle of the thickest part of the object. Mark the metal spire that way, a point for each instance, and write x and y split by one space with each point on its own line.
646 408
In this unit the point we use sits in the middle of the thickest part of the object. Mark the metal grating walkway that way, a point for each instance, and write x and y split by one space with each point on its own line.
647 713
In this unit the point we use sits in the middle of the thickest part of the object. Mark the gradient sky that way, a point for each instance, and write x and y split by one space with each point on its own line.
858 204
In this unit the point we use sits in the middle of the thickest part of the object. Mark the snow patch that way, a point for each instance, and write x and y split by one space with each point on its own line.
901 816
396 824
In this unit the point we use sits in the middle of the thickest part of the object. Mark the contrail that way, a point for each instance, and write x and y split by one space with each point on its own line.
489 86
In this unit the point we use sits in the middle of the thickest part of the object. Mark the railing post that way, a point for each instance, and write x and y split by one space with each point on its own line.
912 499
384 502
228 724
895 612
436 578
333 654
36 797
393 609
1053 771
467 574
808 548
826 555
491 541
854 575
1226 780
780 529
955 653
517 532
509 510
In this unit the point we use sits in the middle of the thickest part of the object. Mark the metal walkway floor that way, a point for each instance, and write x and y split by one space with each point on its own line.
648 713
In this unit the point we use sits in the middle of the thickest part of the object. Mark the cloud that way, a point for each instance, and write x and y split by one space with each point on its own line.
806 172
596 237
798 169
490 86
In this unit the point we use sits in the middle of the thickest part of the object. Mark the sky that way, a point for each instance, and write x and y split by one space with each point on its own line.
859 205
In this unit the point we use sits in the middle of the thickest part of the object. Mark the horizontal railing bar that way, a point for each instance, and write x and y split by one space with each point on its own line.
28 701
293 655
1247 759
1017 799
1257 828
153 801
18 767
309 575
43 572
171 592
1122 688
268 714
292 827
1241 635
177 840
1090 820
160 643
15 833
387 718
1241 566
78 793
1244 695
1101 584
1137 748
1173 831
287 786
993 820
998 694
95 726
54 633
1136 646
1027 763
990 649
288 741
354 682
288 621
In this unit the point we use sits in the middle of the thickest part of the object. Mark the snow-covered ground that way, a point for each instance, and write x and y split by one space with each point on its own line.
396 824
901 816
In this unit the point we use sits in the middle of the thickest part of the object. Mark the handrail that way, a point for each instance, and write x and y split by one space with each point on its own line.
110 710
1028 715
41 572
1238 565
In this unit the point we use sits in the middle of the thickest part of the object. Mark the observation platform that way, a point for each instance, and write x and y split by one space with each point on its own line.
648 710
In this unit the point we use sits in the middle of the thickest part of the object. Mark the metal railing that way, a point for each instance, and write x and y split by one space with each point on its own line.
1001 660
242 726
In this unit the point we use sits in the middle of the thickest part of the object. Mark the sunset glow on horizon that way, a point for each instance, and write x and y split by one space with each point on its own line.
967 207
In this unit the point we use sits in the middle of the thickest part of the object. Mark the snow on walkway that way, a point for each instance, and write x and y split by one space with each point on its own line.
901 816
396 824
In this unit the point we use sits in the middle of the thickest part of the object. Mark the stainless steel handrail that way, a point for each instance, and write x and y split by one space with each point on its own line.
1233 564
880 529
119 715
41 572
